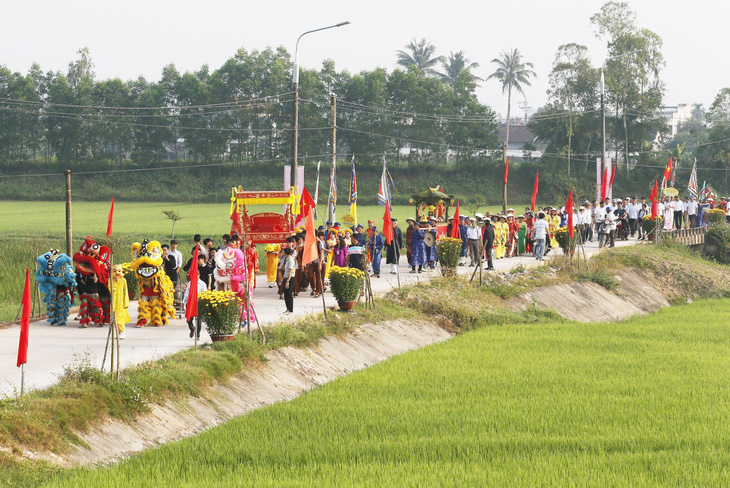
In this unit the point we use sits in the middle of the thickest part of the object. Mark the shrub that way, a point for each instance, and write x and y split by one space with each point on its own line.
717 243
346 283
219 310
130 276
564 240
448 250
716 216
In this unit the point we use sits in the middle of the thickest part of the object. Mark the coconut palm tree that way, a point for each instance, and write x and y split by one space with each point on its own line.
454 65
420 55
512 72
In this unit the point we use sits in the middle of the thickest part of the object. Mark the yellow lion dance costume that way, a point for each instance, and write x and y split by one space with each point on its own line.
156 292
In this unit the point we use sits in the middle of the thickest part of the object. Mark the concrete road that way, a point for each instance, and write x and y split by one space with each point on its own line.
52 348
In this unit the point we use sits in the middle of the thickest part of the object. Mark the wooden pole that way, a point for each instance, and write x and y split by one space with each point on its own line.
68 213
504 184
333 153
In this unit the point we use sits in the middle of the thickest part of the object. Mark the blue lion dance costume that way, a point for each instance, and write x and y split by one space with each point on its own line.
55 278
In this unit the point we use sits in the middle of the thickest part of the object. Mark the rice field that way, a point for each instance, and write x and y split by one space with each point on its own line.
639 403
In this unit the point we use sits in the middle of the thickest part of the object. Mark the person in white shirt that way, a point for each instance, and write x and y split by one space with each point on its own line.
692 212
633 210
472 241
178 255
678 212
540 231
584 223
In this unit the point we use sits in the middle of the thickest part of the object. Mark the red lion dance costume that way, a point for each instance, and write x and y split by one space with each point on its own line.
156 292
92 277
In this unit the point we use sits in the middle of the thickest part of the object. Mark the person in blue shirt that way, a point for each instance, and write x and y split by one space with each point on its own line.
462 235
418 248
376 250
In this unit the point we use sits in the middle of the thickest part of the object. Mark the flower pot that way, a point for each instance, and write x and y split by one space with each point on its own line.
346 306
132 295
450 272
222 337
652 237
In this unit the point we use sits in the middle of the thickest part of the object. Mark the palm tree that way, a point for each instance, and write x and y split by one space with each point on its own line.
512 72
420 55
454 65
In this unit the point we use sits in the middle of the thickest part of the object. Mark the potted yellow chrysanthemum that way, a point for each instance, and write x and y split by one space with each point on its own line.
346 285
220 312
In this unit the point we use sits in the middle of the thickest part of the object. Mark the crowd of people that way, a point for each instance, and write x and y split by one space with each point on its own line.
485 238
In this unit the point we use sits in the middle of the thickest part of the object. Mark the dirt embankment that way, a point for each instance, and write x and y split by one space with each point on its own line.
288 373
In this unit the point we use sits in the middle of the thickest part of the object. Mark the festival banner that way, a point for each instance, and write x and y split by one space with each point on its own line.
109 219
534 191
310 243
506 168
353 192
667 174
387 225
332 199
692 185
569 209
455 226
191 308
383 189
24 322
316 191
604 183
653 198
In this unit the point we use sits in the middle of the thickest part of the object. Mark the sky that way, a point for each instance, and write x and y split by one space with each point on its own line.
133 38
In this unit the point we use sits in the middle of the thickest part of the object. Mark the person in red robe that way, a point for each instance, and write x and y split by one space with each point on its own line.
252 262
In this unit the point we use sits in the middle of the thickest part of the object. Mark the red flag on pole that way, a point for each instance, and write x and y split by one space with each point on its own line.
653 198
110 218
613 175
455 226
604 182
534 191
668 171
191 308
569 209
24 322
506 169
387 225
310 242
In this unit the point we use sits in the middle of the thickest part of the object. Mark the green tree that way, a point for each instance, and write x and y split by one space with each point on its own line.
454 65
512 73
420 54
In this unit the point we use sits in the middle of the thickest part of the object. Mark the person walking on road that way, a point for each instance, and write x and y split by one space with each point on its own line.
290 272
541 231
488 242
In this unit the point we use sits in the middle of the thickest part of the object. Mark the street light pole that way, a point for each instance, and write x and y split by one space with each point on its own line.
295 75
603 116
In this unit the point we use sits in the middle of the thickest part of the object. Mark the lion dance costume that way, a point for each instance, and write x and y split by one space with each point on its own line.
156 292
230 265
55 278
92 280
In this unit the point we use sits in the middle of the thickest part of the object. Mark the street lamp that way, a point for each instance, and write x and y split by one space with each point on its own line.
295 75
603 118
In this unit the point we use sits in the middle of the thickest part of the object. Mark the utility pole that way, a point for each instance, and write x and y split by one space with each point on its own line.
603 129
333 148
68 213
504 183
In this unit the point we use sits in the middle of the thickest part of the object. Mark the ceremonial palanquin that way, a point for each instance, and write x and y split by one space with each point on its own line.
267 227
155 287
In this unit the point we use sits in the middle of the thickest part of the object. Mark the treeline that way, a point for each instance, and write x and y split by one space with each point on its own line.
242 111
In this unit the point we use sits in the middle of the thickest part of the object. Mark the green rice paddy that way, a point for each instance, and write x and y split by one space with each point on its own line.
640 403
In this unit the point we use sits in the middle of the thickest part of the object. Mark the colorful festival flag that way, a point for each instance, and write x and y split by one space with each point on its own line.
332 200
109 219
604 184
24 322
310 242
455 226
569 209
387 225
692 185
534 191
667 174
384 189
353 192
506 169
653 198
191 308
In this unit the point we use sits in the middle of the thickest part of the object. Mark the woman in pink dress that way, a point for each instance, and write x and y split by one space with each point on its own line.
340 251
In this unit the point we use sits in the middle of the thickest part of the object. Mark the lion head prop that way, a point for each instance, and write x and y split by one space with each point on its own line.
229 265
156 290
55 278
146 259
93 258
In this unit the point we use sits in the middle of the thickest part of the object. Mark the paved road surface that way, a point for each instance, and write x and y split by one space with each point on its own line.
52 348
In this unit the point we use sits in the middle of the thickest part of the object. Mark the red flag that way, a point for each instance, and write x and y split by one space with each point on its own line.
668 171
306 204
110 218
604 183
455 226
387 226
506 169
534 191
569 209
613 175
24 322
310 242
191 308
653 198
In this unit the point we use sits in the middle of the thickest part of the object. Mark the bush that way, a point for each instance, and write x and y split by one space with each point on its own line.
564 240
448 250
716 216
219 310
717 243
346 283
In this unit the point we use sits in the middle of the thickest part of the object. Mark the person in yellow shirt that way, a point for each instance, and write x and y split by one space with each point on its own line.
501 232
553 224
120 300
272 259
